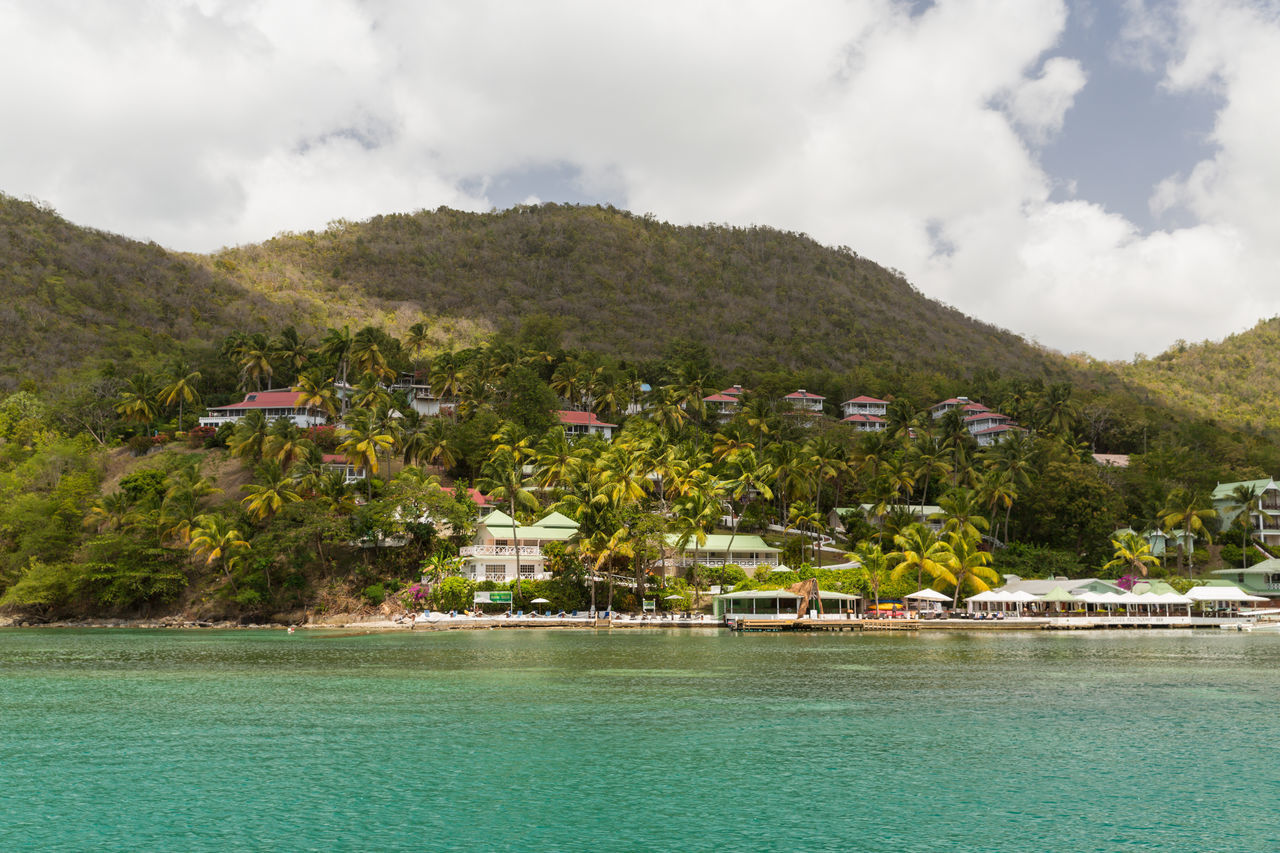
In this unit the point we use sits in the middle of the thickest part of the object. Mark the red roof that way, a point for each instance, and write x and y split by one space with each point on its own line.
803 395
999 428
720 398
335 459
734 390
863 419
975 407
954 401
865 399
986 416
479 499
267 400
582 419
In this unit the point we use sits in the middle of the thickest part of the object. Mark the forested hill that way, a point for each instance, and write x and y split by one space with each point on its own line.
757 297
1236 380
75 296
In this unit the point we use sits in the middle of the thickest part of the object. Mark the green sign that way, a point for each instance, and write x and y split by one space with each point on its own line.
499 598
650 604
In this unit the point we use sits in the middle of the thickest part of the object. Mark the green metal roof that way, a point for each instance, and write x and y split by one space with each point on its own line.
720 542
1223 490
1266 567
555 519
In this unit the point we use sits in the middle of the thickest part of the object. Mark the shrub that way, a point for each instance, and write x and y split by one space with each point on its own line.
375 594
139 445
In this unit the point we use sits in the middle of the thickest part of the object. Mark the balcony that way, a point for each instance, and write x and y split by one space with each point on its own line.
500 551
686 561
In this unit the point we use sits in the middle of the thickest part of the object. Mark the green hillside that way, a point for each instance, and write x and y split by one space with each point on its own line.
757 297
1236 380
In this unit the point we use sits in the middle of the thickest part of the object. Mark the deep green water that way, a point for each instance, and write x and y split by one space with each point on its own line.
542 740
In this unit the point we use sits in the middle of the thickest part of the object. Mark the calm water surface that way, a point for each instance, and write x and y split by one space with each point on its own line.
557 740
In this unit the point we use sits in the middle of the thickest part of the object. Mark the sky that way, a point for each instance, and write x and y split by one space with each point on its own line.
1100 176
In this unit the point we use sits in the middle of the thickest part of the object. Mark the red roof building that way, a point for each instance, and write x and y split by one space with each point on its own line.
584 423
865 405
275 403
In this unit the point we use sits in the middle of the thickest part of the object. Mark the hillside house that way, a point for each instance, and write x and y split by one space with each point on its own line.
864 405
275 403
804 402
585 423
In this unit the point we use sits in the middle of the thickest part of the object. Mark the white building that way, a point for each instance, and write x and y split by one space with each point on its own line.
585 423
493 555
864 405
805 401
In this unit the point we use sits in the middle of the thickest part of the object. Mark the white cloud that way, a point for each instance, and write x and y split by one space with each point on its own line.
911 138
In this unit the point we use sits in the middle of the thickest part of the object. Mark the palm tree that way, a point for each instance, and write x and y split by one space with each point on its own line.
181 389
960 508
919 548
1055 412
805 517
504 480
418 339
965 561
138 399
255 360
368 356
430 444
1131 552
217 540
930 459
249 437
874 562
316 393
268 496
1245 500
751 477
291 349
109 512
1189 511
284 443
336 346
362 440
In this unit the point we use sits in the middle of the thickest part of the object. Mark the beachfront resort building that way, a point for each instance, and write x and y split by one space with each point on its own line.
1259 579
496 556
720 549
274 403
1264 519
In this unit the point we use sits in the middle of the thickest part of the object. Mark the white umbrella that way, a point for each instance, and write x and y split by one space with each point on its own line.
541 601
929 595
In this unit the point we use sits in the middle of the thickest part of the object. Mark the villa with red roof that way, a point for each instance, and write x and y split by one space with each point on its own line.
805 401
986 426
865 414
585 423
275 403
723 405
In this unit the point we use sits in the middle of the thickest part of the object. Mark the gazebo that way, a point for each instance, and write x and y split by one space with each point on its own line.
928 599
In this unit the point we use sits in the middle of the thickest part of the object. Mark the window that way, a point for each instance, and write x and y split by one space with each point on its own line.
526 571
495 572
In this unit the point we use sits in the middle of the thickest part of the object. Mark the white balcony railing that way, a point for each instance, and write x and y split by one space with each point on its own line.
500 551
688 560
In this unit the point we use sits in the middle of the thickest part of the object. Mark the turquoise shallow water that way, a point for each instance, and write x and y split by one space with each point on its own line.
544 740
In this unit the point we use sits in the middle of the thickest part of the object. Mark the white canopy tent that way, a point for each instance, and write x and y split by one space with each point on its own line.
1221 593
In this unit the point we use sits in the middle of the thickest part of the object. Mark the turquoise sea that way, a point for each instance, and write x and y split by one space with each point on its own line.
638 740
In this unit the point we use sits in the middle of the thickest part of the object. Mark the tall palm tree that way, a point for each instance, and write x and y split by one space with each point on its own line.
503 479
284 443
317 394
138 400
962 514
368 356
217 540
805 517
181 389
919 548
255 361
966 562
418 339
336 347
1245 500
273 489
930 460
1190 511
749 476
874 562
249 436
363 439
